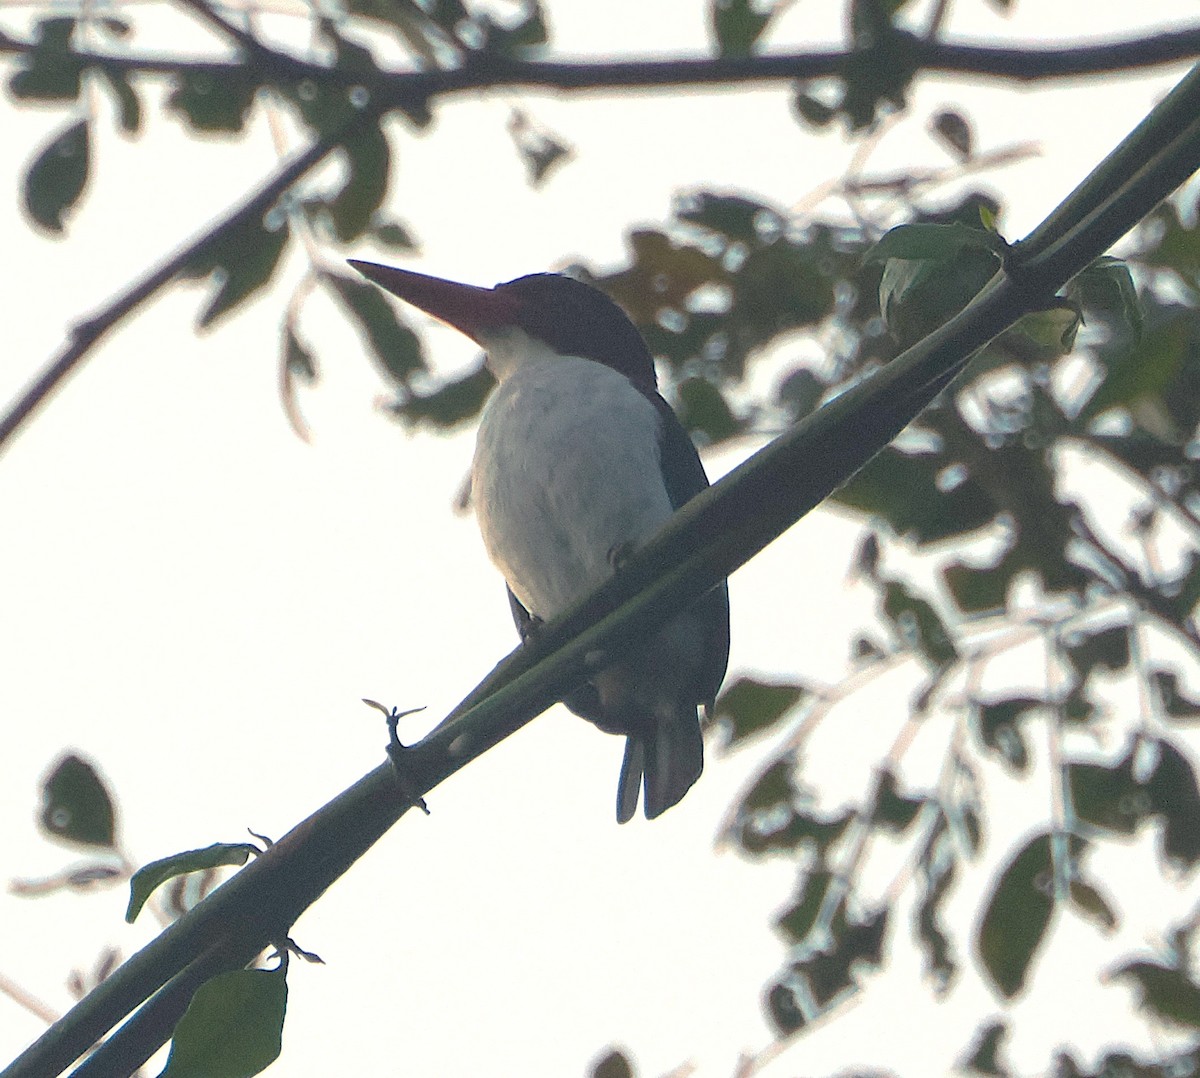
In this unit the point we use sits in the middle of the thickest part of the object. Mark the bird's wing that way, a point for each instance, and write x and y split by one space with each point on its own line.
584 701
685 478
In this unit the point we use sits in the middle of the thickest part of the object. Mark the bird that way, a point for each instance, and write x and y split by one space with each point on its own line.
578 462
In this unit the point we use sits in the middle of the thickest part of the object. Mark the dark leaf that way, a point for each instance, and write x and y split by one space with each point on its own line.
736 25
916 295
1017 916
1174 795
614 1064
902 489
784 1008
1106 288
393 235
1092 904
368 164
917 623
893 811
812 110
1108 648
213 105
732 216
999 730
984 1057
749 706
954 130
241 258
1175 703
394 345
796 922
150 877
232 1028
932 242
832 971
76 805
129 105
937 876
52 70
456 402
1145 370
1108 797
527 32
703 410
1168 994
58 176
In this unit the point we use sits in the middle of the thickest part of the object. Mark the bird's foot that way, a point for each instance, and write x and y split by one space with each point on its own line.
619 554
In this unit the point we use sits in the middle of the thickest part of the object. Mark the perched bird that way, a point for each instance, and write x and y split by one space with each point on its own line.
577 463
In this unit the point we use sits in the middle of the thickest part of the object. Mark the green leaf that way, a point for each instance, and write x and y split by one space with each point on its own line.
213 105
796 922
703 410
1178 706
917 623
730 216
150 877
76 805
394 345
1092 904
749 706
1106 287
232 1028
57 176
1174 795
737 24
932 242
129 105
240 258
902 488
1152 364
449 405
955 133
1169 994
1108 648
985 1051
51 71
1017 917
509 39
368 163
393 235
1108 796
614 1064
892 810
998 724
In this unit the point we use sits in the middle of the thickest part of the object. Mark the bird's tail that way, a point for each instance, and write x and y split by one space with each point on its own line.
664 760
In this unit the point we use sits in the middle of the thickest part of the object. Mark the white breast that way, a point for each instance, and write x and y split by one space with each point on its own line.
567 471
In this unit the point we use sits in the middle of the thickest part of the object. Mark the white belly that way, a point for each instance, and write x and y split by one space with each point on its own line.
567 471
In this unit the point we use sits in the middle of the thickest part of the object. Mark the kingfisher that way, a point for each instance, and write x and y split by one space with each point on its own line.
578 461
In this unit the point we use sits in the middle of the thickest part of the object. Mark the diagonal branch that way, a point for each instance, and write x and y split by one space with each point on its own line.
87 334
707 540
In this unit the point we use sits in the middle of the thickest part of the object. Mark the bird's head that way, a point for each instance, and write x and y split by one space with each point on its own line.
541 315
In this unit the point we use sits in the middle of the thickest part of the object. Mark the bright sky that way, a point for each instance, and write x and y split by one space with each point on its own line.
197 600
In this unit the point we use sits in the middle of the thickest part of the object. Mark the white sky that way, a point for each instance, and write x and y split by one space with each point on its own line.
197 600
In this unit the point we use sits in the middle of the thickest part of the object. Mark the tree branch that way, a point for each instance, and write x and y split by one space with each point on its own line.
707 540
87 334
397 89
